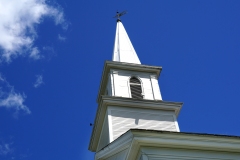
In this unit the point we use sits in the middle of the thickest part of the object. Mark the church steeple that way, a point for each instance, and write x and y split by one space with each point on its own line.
129 96
134 123
123 49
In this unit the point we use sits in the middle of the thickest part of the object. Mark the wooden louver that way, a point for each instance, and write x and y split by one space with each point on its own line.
136 88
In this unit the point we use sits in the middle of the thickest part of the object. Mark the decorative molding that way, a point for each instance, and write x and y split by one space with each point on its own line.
186 157
153 76
114 72
165 139
135 139
142 103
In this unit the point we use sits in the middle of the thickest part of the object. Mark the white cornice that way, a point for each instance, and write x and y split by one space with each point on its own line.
134 139
124 66
142 103
148 138
106 101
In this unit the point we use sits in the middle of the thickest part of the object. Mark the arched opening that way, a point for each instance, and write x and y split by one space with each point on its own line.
136 88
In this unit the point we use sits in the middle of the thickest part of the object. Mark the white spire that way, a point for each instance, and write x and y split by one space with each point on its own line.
123 49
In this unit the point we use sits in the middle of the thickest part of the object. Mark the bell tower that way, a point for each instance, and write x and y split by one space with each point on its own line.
129 96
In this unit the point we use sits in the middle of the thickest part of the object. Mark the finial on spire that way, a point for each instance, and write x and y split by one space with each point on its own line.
118 15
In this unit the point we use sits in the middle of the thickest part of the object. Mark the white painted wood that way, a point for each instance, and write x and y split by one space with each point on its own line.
123 49
144 157
147 88
104 138
119 156
121 102
176 123
112 84
121 87
127 67
172 146
110 128
123 119
187 154
114 148
116 83
155 87
201 143
109 86
123 114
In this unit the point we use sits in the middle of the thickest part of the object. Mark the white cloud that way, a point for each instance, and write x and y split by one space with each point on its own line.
39 81
49 49
5 149
14 100
61 38
35 53
18 21
10 99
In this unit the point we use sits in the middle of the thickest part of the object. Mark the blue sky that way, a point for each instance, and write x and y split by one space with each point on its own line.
52 54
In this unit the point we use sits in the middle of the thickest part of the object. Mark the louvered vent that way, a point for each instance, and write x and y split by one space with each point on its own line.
136 88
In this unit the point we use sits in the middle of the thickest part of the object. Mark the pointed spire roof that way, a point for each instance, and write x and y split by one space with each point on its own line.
123 49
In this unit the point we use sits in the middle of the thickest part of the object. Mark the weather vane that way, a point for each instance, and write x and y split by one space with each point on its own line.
118 15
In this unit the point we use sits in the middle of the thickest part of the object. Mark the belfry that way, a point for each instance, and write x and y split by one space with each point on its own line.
134 123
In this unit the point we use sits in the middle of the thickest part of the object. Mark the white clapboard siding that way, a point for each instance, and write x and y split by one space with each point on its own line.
123 120
119 156
104 138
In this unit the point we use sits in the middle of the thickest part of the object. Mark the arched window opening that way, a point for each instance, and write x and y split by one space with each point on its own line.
136 88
